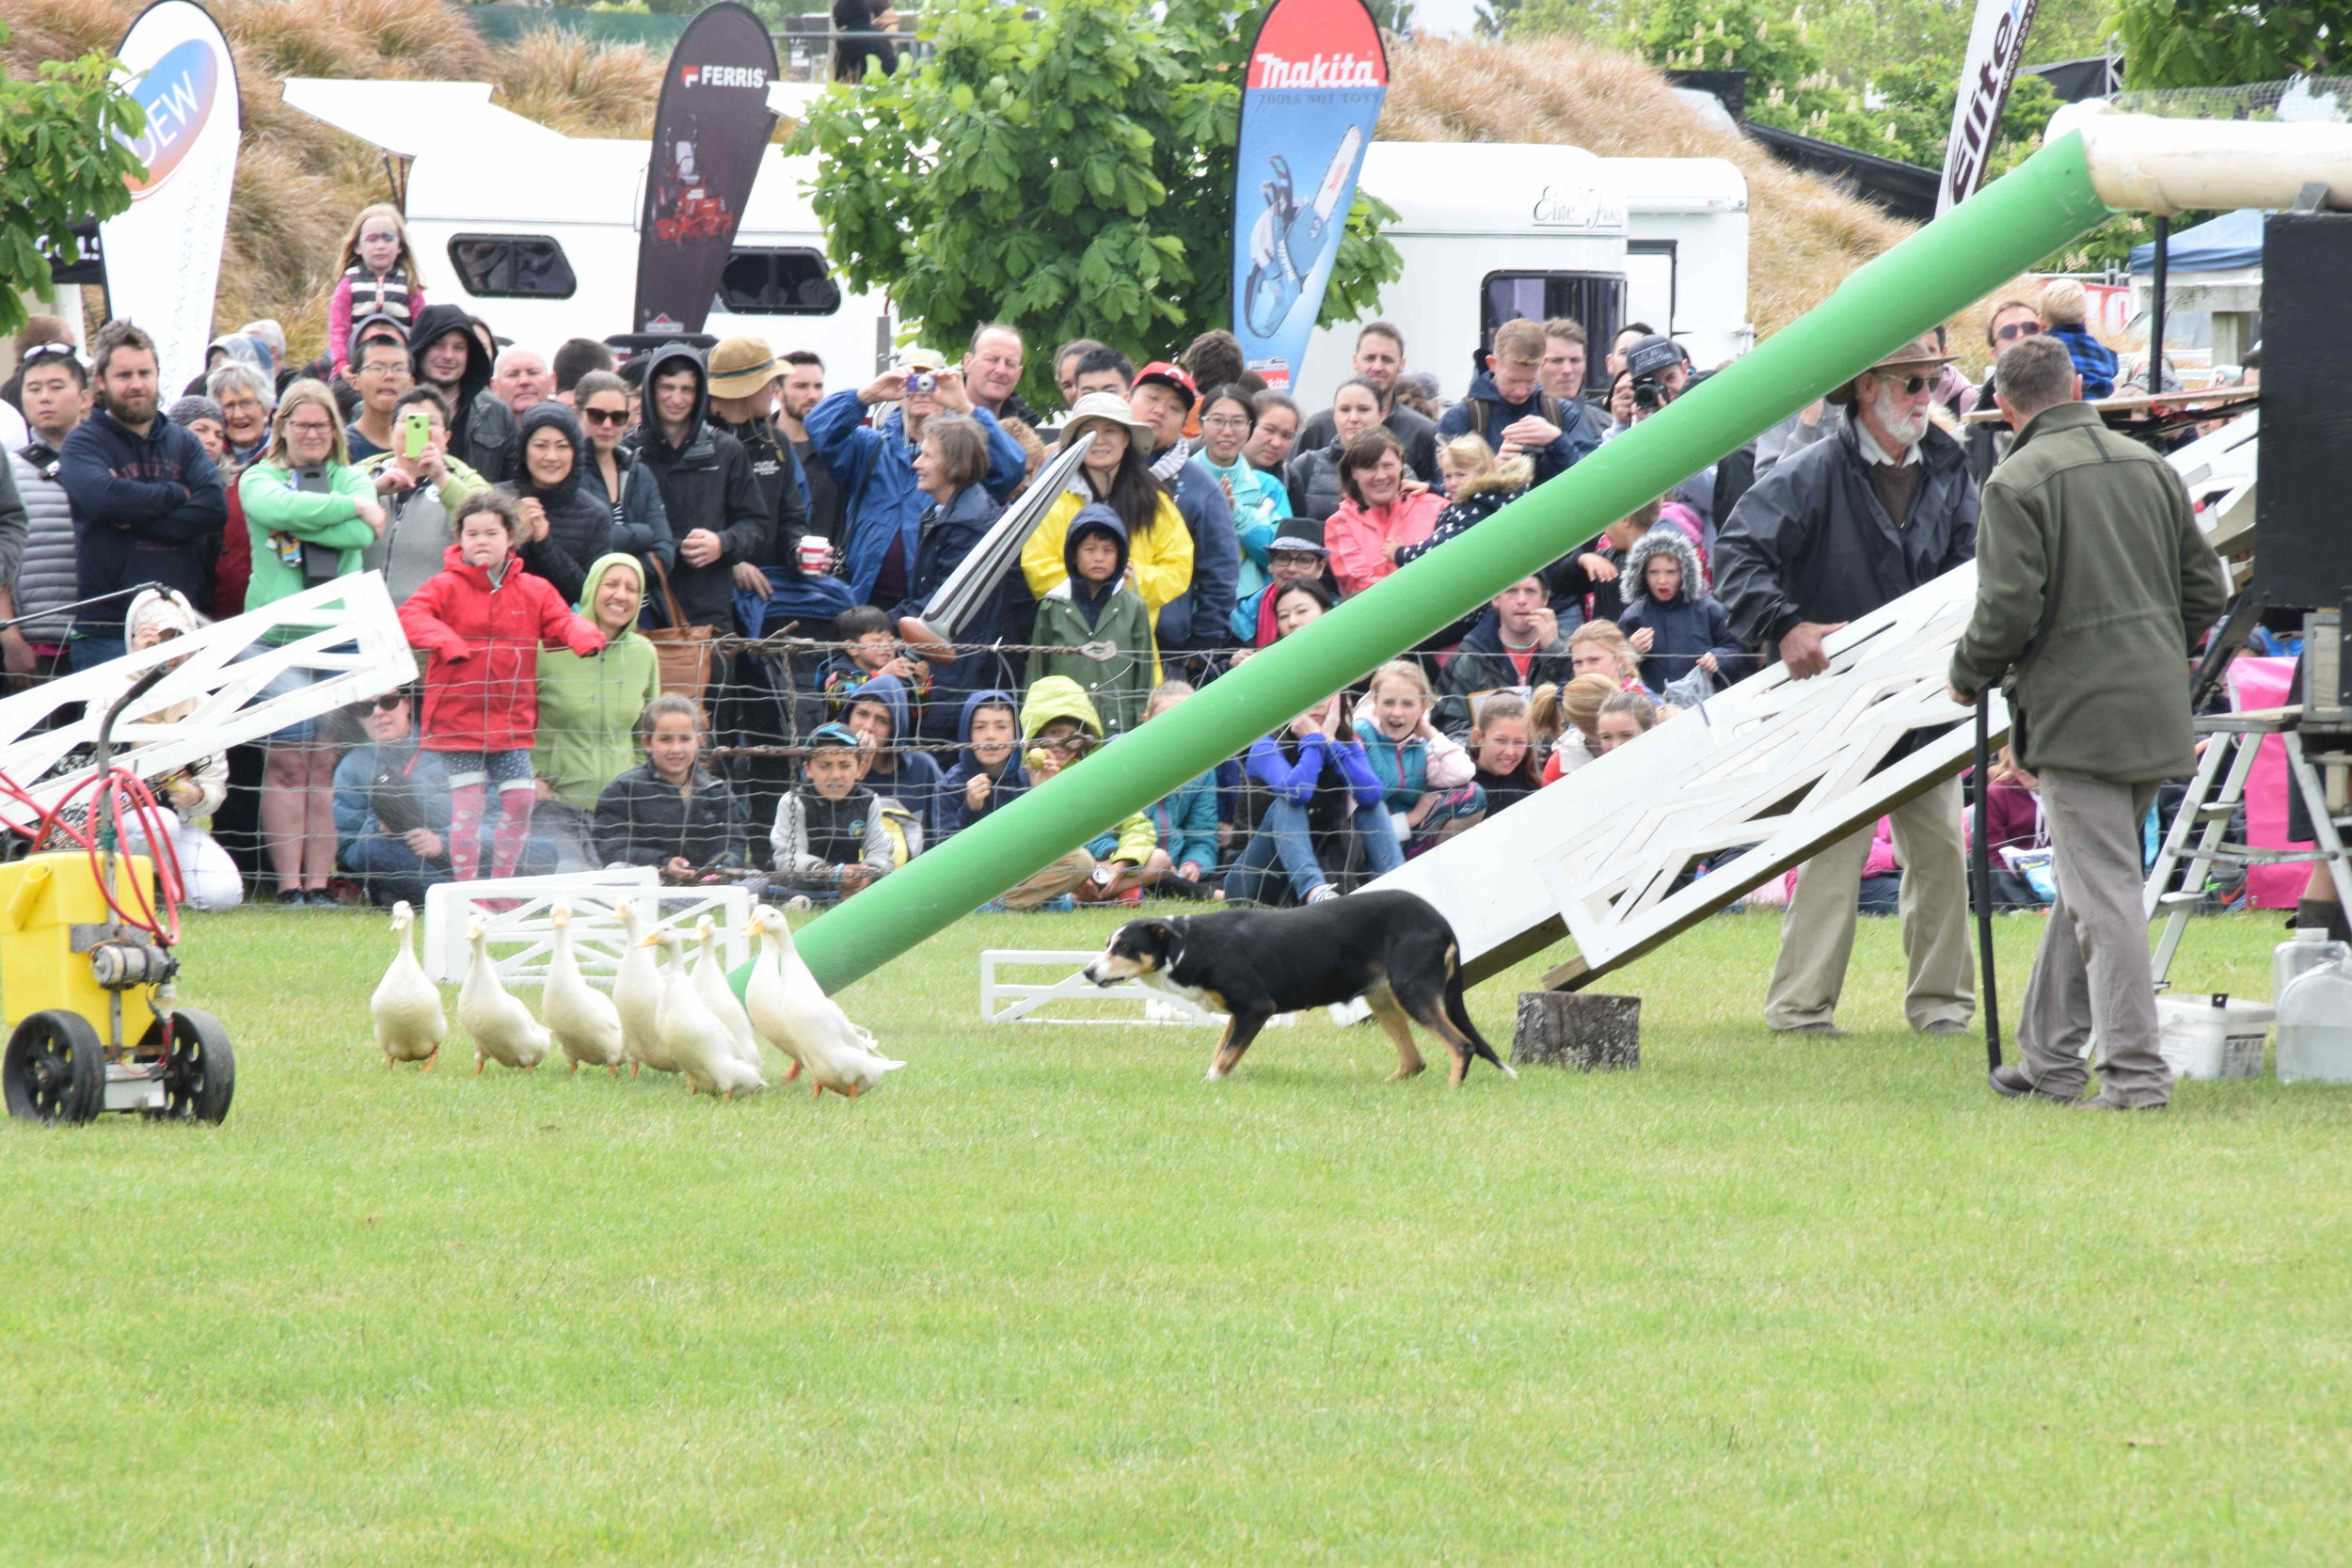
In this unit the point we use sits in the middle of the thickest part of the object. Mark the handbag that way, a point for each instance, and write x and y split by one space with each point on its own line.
685 652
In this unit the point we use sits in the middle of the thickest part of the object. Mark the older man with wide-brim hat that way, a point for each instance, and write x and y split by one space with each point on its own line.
743 375
1835 531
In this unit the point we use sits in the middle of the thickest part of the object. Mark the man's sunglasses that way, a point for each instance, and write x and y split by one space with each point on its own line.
2018 329
1910 386
605 415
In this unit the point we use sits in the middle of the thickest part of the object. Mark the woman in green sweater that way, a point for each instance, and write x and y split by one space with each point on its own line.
310 515
588 712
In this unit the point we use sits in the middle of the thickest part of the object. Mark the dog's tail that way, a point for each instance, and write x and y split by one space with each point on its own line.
1457 1012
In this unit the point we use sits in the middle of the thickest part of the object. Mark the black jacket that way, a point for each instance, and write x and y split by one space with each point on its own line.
707 484
1481 665
580 526
1416 430
1811 543
146 509
642 821
781 490
436 322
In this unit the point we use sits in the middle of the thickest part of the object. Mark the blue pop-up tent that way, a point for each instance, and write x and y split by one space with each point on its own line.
2232 240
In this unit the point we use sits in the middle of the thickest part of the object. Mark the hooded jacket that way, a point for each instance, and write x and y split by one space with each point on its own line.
816 836
874 467
1683 627
1576 441
433 323
1076 614
643 819
589 703
1051 697
1008 781
1482 664
1479 498
483 631
578 528
913 776
1810 540
1162 557
707 484
950 531
144 507
783 489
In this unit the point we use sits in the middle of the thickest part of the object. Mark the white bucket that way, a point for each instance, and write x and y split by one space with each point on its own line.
2213 1036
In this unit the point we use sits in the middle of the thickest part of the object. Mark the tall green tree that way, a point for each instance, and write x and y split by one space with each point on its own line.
1072 174
65 158
2206 43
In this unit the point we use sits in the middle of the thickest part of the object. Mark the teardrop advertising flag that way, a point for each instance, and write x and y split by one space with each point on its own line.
1317 74
709 133
162 253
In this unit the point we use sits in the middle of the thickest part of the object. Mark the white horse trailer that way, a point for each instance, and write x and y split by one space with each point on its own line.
536 231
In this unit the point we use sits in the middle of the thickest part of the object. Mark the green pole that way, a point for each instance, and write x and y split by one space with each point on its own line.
1955 261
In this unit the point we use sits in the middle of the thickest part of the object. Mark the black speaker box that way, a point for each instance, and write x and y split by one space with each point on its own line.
2303 507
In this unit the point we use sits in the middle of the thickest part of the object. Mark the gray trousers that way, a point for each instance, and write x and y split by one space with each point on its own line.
2091 975
1817 933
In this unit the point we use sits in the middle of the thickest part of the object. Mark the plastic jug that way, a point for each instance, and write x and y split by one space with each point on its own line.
2307 950
2315 1028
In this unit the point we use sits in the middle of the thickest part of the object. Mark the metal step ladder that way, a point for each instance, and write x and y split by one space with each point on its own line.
2215 796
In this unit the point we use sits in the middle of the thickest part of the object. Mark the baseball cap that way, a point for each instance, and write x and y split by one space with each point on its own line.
1171 376
1650 355
832 735
740 366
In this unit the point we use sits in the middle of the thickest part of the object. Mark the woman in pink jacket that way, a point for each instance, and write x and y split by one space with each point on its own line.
1386 509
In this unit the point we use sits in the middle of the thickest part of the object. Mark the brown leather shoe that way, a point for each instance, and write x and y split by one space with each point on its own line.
2009 1082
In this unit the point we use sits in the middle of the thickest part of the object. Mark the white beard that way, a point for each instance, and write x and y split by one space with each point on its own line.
1908 429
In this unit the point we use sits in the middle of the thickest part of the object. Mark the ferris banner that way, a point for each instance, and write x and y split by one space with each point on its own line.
1997 43
162 253
1317 73
709 133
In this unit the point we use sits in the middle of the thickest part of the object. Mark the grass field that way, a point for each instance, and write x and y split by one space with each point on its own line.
1046 1298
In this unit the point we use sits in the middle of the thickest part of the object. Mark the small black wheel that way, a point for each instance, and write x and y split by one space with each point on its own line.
200 1071
55 1068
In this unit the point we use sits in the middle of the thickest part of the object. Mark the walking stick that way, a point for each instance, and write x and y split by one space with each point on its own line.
1981 872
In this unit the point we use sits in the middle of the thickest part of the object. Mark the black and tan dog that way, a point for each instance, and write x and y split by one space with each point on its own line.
1393 949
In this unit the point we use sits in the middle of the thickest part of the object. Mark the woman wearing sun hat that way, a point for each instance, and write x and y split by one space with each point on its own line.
1159 547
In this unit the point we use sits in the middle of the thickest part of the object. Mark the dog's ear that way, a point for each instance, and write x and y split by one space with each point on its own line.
1160 933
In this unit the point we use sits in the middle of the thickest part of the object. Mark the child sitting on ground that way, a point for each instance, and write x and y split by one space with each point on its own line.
1599 648
1626 716
1573 714
878 716
1063 729
481 618
869 647
1184 819
1425 775
1673 624
834 837
1501 747
1326 806
988 772
669 811
1103 625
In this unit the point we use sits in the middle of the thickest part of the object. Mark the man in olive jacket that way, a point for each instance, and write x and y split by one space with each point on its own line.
2092 584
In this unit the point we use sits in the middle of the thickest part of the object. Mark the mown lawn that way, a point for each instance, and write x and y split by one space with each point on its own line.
1046 1298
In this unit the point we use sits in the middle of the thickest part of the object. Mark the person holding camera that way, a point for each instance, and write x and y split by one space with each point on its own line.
1831 533
1507 405
882 498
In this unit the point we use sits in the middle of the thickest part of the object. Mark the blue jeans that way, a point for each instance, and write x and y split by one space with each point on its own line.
88 653
1283 836
390 870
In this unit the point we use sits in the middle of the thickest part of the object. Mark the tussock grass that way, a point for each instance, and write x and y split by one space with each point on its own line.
1045 1297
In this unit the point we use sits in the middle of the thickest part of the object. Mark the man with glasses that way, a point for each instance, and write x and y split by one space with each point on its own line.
146 499
2012 321
380 371
1833 532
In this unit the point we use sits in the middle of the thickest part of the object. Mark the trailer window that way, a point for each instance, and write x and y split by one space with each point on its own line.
1596 300
513 267
781 283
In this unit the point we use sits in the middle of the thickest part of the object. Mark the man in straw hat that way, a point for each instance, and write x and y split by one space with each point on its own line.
1831 533
744 376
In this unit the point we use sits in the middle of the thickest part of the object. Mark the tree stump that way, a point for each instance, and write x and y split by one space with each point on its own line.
1578 1029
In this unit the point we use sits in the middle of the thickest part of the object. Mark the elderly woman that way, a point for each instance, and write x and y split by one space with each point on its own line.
310 515
248 398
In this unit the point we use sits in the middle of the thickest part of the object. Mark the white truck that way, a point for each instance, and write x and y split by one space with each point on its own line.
536 233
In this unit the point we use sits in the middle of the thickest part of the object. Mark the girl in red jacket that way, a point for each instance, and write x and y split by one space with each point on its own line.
483 617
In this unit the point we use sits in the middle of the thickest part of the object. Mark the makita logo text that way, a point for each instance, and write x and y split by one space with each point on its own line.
1318 70
722 76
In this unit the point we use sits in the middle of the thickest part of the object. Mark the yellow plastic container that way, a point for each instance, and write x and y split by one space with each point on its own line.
50 905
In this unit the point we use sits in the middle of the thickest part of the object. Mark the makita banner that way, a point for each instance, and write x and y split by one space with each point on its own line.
709 133
1317 73
162 253
1995 45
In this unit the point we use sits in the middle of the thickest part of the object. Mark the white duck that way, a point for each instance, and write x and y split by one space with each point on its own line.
699 1043
501 1026
710 984
582 1019
637 994
409 1023
804 1022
